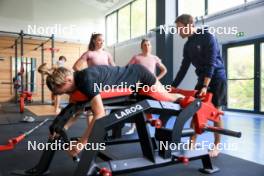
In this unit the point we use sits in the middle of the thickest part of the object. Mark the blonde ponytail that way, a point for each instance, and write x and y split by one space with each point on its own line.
43 69
55 76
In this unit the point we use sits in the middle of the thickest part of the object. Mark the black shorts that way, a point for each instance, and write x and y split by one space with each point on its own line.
219 90
144 75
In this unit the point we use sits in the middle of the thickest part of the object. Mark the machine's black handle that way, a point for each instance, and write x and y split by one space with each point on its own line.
223 131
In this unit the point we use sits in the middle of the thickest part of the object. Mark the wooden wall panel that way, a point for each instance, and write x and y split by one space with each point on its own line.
71 51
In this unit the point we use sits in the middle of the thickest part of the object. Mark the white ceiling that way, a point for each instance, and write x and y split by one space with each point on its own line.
102 5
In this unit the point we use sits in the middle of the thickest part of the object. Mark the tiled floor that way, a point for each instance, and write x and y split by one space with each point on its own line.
249 147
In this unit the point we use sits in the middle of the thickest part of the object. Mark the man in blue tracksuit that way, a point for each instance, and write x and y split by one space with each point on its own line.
202 51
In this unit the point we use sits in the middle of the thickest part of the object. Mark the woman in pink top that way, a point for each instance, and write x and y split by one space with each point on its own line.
151 62
95 54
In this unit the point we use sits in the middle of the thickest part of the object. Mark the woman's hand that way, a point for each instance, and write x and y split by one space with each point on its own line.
76 147
163 70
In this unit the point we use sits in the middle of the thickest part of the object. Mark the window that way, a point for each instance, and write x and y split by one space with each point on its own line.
111 23
240 62
151 14
245 73
197 7
192 7
133 20
215 6
138 18
124 24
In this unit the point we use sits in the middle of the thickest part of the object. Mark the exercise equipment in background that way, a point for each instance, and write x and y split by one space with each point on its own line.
15 140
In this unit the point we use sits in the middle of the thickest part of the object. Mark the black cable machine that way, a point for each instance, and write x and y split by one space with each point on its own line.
135 109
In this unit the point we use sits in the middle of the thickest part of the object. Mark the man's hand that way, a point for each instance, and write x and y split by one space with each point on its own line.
202 92
206 83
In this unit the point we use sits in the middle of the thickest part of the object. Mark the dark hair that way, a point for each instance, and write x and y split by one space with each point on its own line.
94 36
143 41
63 58
184 19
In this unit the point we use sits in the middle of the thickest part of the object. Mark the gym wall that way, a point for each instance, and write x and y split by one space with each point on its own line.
243 20
72 51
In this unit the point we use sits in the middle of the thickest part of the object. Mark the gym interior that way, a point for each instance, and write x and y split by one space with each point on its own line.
137 133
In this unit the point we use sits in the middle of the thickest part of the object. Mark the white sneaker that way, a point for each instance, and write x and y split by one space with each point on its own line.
28 119
132 130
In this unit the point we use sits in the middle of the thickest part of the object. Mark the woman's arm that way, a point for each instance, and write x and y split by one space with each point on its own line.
81 63
111 60
132 60
98 112
163 70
